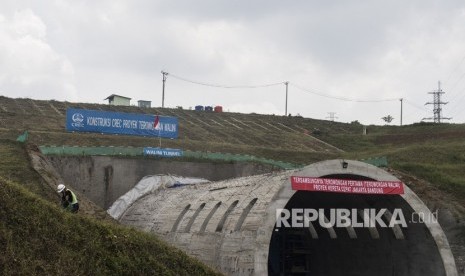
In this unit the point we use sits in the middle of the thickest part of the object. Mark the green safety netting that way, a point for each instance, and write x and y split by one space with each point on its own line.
23 137
377 161
139 151
66 150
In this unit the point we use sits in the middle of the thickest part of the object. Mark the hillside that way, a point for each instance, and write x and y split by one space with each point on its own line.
429 157
429 151
274 137
432 152
38 238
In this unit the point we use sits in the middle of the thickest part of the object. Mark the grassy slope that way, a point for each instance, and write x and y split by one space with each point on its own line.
408 148
15 166
435 153
274 137
37 237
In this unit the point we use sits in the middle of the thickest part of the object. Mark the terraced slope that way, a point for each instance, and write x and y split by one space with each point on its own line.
264 135
433 152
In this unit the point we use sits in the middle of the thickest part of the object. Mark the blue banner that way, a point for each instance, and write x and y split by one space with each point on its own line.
163 152
121 123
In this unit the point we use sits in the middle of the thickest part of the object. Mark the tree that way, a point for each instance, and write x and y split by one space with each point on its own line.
388 119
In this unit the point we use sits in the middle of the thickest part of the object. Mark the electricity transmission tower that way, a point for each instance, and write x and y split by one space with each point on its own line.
437 109
331 116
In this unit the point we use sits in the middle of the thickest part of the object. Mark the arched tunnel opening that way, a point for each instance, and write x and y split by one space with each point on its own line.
317 250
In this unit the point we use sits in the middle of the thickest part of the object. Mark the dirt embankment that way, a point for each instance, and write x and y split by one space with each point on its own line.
52 178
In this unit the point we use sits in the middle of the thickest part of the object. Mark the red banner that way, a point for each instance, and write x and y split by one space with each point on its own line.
315 184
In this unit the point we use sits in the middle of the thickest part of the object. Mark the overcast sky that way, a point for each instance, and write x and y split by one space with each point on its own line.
380 51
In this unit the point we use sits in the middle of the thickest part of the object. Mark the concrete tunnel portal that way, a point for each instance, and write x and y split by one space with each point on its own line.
317 250
231 225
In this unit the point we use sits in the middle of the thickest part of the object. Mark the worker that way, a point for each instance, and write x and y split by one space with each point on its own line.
68 199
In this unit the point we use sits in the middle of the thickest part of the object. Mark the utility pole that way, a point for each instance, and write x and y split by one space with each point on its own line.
287 84
437 109
163 89
331 116
401 99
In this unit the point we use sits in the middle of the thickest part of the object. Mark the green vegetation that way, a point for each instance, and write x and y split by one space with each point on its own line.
15 166
38 238
435 153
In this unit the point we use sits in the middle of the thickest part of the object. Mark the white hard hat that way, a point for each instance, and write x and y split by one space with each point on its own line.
60 188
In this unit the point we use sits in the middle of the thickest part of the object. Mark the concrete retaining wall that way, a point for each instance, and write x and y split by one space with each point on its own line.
104 179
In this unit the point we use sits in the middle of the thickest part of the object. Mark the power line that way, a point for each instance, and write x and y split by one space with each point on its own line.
455 69
453 87
413 113
343 98
457 103
457 100
226 86
279 83
416 106
456 95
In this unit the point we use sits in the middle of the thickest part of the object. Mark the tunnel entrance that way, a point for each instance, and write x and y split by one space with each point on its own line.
316 250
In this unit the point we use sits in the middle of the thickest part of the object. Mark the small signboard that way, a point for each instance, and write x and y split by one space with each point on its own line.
163 152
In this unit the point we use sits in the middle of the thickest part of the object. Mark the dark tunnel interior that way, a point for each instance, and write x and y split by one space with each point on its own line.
380 251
